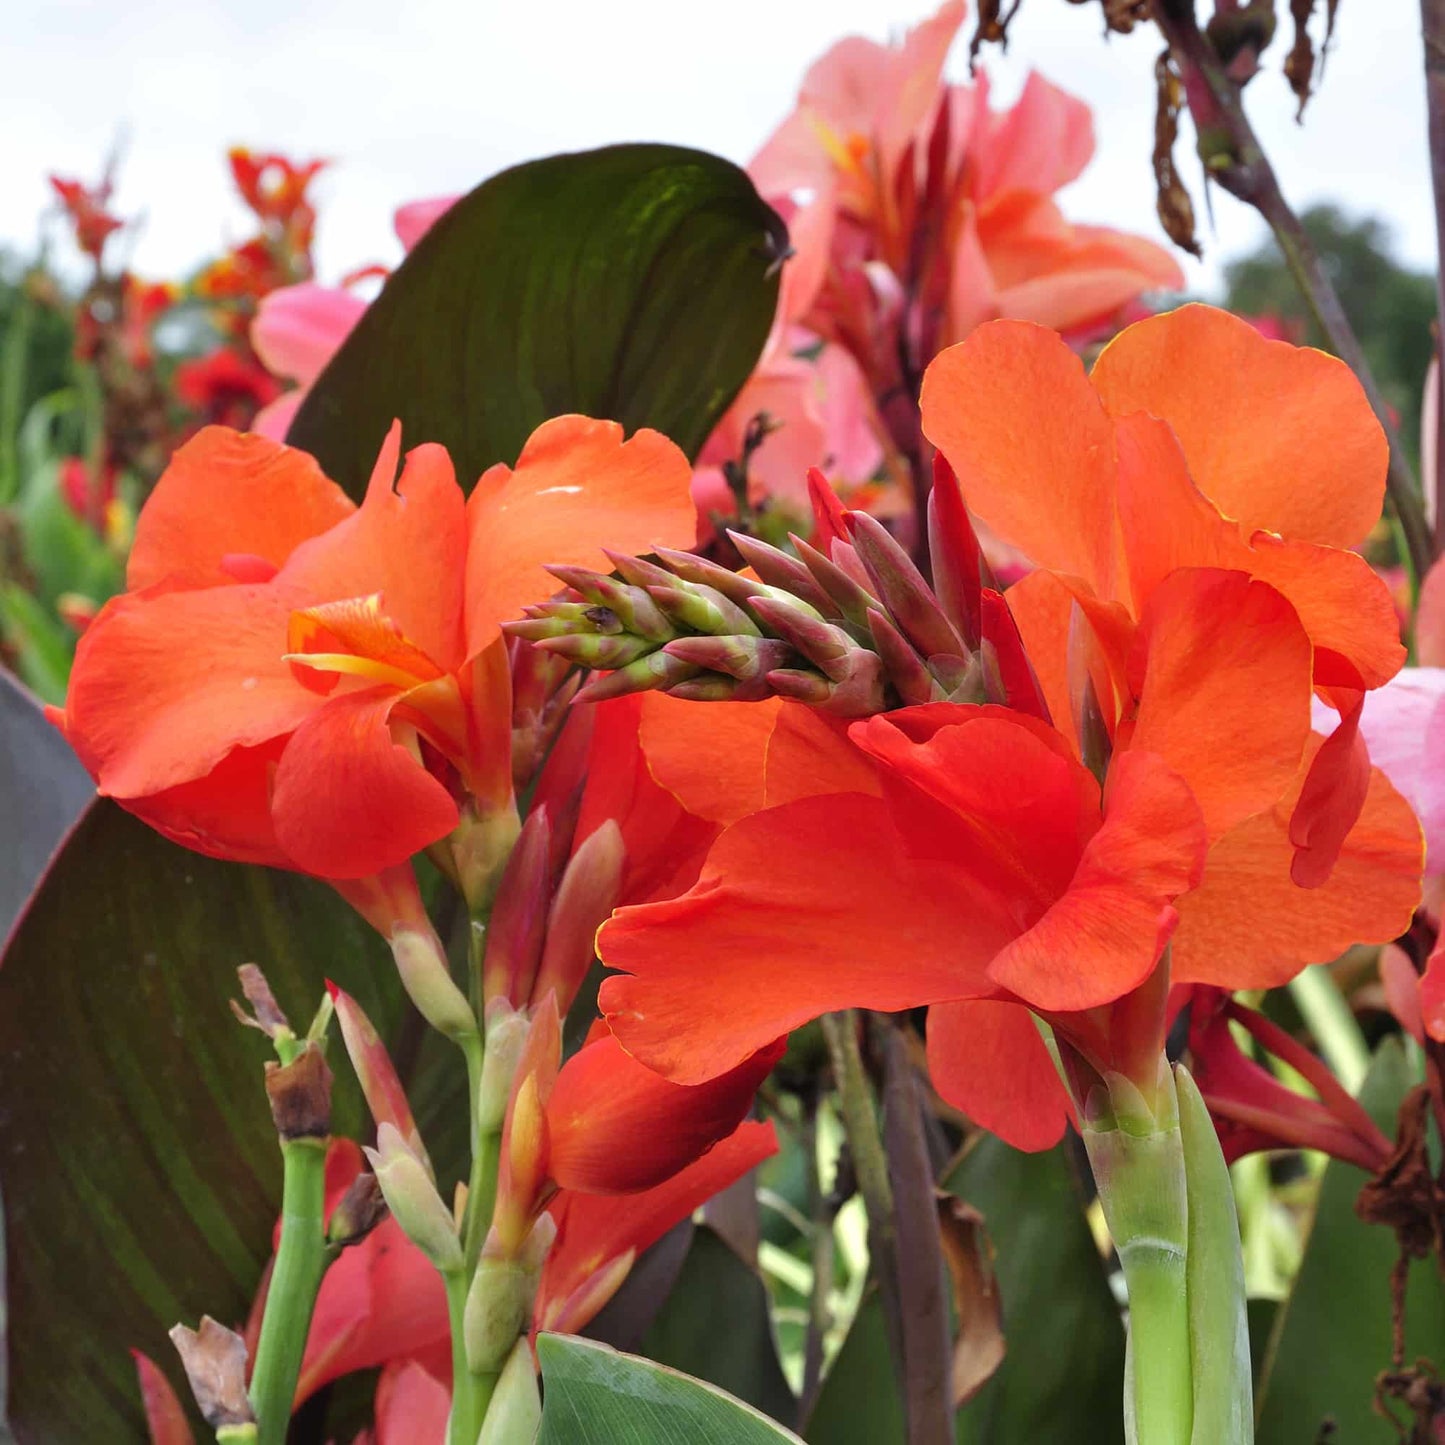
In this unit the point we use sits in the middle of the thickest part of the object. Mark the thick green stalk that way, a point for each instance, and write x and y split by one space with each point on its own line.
471 1394
300 1263
486 1153
1137 1155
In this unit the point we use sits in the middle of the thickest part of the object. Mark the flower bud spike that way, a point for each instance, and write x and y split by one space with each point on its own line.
375 1072
657 672
704 609
954 552
785 573
422 963
637 571
851 599
584 899
588 649
542 620
632 607
518 925
822 643
861 694
734 586
745 658
713 687
904 593
906 670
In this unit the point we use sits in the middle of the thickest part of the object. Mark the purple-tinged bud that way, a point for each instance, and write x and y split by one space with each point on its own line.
745 658
375 1072
585 897
542 620
518 926
779 570
900 586
851 599
631 605
358 1211
413 1200
907 672
588 649
638 571
656 672
861 694
954 553
714 687
704 609
735 587
823 643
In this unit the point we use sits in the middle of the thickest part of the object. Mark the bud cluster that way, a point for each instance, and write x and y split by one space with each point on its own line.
849 626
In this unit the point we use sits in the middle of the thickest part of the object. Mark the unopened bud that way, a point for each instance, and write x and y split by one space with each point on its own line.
214 1359
657 672
413 1200
506 1041
746 658
906 670
515 1413
375 1072
703 609
848 595
634 610
822 643
429 984
518 925
906 596
499 1309
589 649
781 571
585 897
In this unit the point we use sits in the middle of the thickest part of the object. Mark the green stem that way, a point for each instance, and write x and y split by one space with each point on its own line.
300 1263
486 1156
860 1122
1325 1011
1137 1155
471 1394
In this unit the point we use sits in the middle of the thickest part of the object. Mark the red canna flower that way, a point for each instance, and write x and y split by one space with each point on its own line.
86 207
225 388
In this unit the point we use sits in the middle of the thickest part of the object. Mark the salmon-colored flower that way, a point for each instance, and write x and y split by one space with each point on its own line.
297 681
1196 447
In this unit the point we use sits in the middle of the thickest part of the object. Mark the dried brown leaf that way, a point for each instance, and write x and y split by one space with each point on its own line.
1176 210
215 1363
980 1347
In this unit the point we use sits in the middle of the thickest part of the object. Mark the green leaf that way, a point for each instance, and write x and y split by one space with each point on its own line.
594 1396
859 1399
715 1325
636 283
138 1161
1062 1380
1332 1337
41 644
42 792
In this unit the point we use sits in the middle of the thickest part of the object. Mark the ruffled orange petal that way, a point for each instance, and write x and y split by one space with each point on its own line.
406 542
615 1127
349 800
712 757
228 493
1106 932
166 685
801 909
1248 925
1279 437
1013 411
576 488
987 1058
1222 671
1168 523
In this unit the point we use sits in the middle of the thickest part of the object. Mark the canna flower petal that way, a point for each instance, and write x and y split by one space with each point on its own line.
1222 672
412 1405
1248 925
1013 411
596 1230
577 487
987 1058
298 329
615 1127
1278 437
230 494
1044 141
165 1415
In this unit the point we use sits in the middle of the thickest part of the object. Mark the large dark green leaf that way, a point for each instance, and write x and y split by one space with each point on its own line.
715 1325
139 1166
595 1396
42 792
1332 1337
636 283
860 1399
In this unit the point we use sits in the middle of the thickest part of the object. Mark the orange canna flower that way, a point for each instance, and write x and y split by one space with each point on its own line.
296 681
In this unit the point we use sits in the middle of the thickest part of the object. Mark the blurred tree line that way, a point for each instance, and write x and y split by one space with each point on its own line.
1391 307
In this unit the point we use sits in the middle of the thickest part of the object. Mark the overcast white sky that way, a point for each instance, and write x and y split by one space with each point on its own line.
430 96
